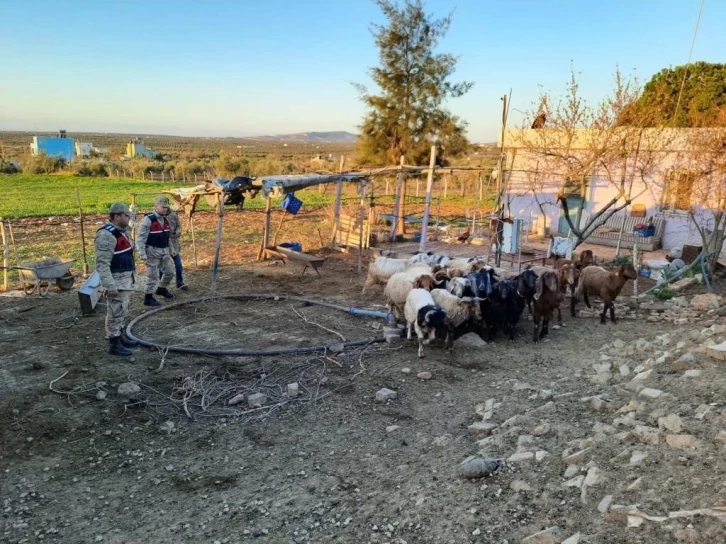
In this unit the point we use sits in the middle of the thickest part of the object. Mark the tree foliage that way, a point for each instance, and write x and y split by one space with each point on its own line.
702 103
408 114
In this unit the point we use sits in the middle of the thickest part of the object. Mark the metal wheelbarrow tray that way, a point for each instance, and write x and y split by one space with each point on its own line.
37 276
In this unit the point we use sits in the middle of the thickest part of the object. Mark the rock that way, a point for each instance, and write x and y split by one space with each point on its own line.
293 390
236 399
577 457
637 484
519 385
671 423
521 456
383 395
641 344
476 532
550 535
406 370
651 393
477 467
602 379
129 390
546 394
704 302
681 441
687 535
647 435
470 340
101 395
541 430
424 375
571 471
539 455
624 370
637 457
392 428
618 344
574 539
681 284
520 485
486 410
642 376
702 411
443 440
721 437
602 368
693 373
481 428
524 439
602 405
603 428
257 400
684 362
577 482
604 504
717 352
593 477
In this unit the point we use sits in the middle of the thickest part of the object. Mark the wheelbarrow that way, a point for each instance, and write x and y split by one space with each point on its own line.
36 277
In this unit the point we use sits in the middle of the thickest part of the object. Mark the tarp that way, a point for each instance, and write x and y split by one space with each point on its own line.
290 184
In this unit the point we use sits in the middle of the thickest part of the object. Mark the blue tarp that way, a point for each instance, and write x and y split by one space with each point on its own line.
290 184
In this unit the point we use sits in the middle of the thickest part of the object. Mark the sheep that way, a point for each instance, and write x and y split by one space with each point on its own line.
400 284
462 314
595 280
383 268
547 298
471 264
458 286
585 259
423 316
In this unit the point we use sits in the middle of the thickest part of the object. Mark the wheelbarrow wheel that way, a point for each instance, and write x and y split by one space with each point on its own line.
65 283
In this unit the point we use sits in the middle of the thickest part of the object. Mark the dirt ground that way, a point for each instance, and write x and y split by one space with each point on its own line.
333 465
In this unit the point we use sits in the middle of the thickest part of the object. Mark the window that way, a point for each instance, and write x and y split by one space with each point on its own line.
677 190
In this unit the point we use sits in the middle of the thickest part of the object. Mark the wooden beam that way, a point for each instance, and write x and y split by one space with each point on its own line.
427 204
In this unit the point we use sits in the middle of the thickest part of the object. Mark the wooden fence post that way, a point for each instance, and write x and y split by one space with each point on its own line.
6 254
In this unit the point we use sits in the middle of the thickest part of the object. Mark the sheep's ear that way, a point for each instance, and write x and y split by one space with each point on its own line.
539 285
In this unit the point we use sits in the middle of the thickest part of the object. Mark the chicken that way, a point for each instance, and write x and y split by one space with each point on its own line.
463 237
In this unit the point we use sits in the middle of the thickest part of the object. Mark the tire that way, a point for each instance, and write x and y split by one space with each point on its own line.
65 283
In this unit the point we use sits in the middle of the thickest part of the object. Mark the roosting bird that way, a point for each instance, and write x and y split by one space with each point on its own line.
540 120
464 236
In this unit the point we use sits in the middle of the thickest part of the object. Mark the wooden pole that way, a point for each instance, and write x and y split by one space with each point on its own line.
6 254
446 186
17 259
133 211
398 227
218 244
279 227
338 200
362 220
266 233
194 242
427 204
83 235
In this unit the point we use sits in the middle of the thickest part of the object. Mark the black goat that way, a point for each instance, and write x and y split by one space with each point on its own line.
546 300
526 285
503 309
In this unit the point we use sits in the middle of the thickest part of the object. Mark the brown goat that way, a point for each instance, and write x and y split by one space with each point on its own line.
546 301
607 285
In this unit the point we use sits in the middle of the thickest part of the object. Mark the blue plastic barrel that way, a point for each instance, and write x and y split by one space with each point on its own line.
293 246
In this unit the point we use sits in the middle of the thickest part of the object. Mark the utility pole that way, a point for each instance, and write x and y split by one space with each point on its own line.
500 182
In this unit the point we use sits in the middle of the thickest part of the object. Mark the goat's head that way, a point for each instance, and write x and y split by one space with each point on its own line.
436 268
455 272
424 281
473 307
570 273
547 280
441 276
627 271
476 264
436 319
527 280
586 258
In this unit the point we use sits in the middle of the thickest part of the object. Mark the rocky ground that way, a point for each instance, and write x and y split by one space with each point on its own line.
603 434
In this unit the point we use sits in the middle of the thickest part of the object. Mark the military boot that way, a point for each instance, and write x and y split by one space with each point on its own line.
127 342
149 300
117 348
164 292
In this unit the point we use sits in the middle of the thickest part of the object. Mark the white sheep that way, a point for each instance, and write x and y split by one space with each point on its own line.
460 312
383 268
458 286
423 316
401 283
466 265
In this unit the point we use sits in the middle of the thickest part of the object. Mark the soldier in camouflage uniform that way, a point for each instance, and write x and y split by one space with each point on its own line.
153 242
115 266
175 237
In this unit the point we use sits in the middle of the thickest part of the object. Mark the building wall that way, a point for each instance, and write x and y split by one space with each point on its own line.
54 147
134 149
83 149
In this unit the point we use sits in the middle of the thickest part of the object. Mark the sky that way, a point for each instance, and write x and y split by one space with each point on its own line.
259 67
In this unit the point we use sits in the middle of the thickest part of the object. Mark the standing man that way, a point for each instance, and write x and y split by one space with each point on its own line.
153 242
175 236
115 266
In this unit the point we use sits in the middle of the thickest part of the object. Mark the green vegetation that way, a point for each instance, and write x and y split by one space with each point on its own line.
409 115
665 293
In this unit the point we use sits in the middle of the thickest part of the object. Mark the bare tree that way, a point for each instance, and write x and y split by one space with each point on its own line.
579 145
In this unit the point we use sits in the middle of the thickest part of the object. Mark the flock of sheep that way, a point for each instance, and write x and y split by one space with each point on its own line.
446 297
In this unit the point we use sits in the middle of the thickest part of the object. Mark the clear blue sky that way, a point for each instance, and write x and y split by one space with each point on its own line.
252 67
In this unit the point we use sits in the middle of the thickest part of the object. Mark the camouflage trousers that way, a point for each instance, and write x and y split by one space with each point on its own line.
117 308
153 265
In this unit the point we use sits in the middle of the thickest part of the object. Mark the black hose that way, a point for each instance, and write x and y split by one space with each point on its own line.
244 352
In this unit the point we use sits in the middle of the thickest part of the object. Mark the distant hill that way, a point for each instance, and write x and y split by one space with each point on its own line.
339 136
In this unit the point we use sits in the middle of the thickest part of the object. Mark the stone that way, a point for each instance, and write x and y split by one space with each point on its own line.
624 370
721 437
681 441
641 344
476 532
406 370
236 399
392 428
647 435
481 428
424 375
486 410
101 395
293 390
383 395
637 457
604 504
524 440
129 390
637 484
571 471
717 352
684 362
520 485
593 477
521 456
470 340
601 379
603 428
551 535
671 423
618 344
443 440
688 534
681 284
477 467
602 405
577 457
642 376
651 393
693 373
539 455
602 368
519 385
546 394
702 411
704 302
541 430
577 482
257 400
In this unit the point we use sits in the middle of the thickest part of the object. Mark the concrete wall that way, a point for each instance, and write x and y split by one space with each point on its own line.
54 147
